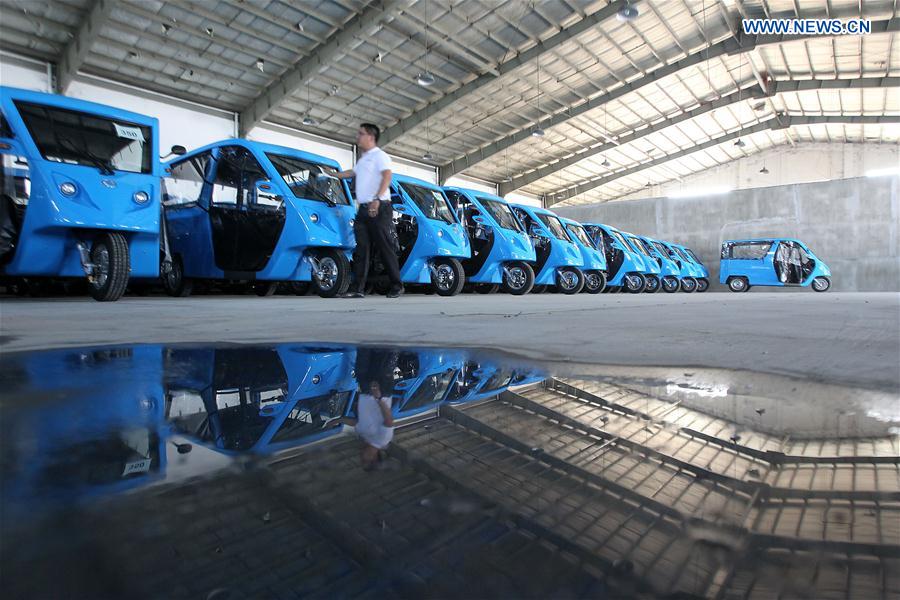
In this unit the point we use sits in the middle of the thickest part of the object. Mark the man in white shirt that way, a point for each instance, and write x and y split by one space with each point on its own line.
374 224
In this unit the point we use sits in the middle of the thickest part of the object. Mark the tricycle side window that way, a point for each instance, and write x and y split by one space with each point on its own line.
749 250
236 173
184 181
308 180
5 130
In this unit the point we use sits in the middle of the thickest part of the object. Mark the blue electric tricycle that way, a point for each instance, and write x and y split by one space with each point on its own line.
431 243
672 275
559 260
502 253
80 191
703 271
594 267
624 265
238 210
780 262
424 379
652 266
259 399
689 266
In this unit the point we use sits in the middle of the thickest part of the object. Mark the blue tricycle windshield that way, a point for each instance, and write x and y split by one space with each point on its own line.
72 137
579 232
621 239
431 202
694 256
502 213
641 246
554 225
309 180
432 389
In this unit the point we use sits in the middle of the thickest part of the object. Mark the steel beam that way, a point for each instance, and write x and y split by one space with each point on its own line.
297 76
747 93
76 51
773 123
419 116
727 47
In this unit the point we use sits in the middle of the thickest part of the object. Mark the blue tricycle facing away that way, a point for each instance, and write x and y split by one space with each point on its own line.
79 191
239 210
779 262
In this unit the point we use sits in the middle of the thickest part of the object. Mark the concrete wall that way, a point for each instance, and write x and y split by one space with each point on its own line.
851 224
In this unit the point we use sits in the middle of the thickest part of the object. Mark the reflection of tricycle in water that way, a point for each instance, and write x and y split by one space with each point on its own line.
248 211
80 191
502 253
259 399
430 241
779 262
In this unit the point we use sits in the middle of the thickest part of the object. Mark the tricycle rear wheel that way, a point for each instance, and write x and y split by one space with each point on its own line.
738 284
174 281
264 288
112 266
485 288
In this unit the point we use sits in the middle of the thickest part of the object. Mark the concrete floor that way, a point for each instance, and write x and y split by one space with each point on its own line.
851 339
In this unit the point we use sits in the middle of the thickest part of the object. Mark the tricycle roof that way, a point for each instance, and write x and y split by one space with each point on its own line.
64 102
264 148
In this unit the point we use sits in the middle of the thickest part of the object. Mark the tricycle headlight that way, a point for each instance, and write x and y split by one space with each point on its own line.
314 218
352 222
141 197
68 188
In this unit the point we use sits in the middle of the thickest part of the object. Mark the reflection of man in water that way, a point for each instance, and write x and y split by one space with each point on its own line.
374 424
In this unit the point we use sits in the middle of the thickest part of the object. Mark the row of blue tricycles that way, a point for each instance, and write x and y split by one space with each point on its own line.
84 195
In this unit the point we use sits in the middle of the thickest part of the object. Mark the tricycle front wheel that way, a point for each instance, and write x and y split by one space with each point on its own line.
333 277
518 279
447 277
111 267
821 284
594 282
702 284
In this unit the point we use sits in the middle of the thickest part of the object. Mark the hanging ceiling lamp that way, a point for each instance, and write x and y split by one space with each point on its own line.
764 170
425 78
428 156
605 163
307 119
740 143
628 13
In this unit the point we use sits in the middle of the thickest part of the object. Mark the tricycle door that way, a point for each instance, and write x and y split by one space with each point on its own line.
246 218
15 190
405 224
477 228
186 190
791 264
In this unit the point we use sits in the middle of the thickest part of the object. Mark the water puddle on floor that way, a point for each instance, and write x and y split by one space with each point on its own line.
326 470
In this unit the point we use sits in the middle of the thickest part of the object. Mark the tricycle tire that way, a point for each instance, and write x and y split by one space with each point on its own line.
822 287
738 284
669 284
526 285
631 289
579 281
174 281
110 249
688 285
454 277
338 261
299 288
594 282
653 284
702 284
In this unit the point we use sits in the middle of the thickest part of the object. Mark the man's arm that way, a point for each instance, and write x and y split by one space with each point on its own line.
385 408
385 182
345 174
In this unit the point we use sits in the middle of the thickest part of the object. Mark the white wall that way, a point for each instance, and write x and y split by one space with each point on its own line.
472 184
284 136
23 73
521 198
787 165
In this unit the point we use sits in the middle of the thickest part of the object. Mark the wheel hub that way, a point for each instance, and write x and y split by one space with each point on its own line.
101 267
326 273
516 277
444 277
568 280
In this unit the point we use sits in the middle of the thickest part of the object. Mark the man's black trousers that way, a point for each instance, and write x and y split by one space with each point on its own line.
375 234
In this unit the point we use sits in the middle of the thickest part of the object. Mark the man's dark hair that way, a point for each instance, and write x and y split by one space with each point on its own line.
372 130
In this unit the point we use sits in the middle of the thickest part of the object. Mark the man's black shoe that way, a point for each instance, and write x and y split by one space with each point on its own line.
353 295
395 292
